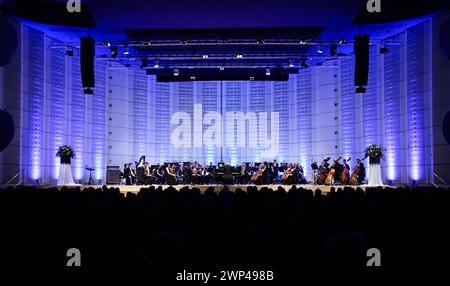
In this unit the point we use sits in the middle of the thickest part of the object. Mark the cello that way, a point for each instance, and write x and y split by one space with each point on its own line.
344 176
258 174
286 175
332 171
355 174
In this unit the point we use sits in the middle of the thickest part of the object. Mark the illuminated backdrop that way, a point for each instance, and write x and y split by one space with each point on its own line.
319 113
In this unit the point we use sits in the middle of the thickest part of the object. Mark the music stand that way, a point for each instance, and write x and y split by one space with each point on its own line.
90 182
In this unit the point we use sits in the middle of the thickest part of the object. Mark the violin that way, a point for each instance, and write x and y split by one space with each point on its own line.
332 171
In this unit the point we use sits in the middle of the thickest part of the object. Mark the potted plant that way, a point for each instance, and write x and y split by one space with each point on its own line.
374 152
66 153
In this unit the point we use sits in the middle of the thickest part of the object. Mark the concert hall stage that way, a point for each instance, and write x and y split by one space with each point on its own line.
219 187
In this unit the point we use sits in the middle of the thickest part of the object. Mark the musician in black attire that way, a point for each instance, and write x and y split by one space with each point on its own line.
127 174
272 173
338 171
362 172
244 175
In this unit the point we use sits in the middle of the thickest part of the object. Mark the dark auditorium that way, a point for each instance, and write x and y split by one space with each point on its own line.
225 141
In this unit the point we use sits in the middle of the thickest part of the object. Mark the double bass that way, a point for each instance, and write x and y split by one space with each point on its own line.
344 177
322 172
332 171
354 176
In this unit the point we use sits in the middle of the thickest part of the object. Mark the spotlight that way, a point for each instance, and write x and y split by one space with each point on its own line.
252 78
205 56
384 50
333 50
176 72
342 42
320 49
361 89
113 52
156 65
221 68
69 53
291 63
192 77
304 64
223 41
125 50
183 42
267 71
107 44
303 42
88 91
144 63
146 43
239 56
260 42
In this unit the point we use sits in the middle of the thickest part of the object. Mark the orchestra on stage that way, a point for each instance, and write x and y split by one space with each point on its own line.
264 173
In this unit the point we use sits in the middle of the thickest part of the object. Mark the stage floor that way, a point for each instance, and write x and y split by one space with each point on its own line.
219 187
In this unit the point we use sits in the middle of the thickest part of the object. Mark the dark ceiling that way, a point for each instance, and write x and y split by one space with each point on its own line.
182 33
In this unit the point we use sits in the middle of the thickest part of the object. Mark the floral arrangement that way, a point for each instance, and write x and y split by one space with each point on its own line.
65 151
374 152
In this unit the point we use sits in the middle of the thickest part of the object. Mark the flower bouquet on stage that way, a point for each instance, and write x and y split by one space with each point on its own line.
66 154
375 153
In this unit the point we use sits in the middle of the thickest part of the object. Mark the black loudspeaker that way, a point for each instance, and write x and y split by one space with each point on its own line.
6 129
446 127
444 41
87 54
112 176
361 49
8 37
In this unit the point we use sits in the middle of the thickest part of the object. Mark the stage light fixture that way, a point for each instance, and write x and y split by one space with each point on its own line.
304 64
361 89
223 41
252 78
88 91
222 68
342 42
260 42
239 56
205 56
384 50
107 44
146 43
183 42
267 71
176 72
144 63
126 51
156 65
303 42
333 50
291 63
320 49
192 77
113 52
